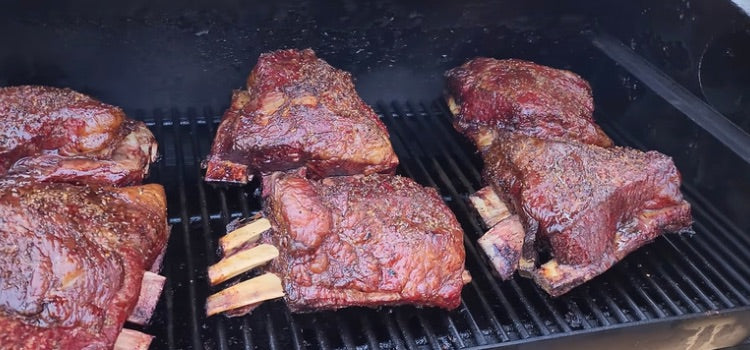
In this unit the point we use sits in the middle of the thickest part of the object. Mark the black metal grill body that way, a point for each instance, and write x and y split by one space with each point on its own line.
678 291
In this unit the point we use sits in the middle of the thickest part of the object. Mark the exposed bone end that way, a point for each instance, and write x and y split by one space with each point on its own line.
305 100
156 266
241 262
137 150
252 291
557 279
503 244
142 138
240 98
550 270
526 267
489 206
132 340
151 287
452 105
218 170
271 102
243 235
484 138
466 277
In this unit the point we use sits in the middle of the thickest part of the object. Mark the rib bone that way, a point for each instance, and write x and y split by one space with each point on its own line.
156 266
151 287
503 244
489 206
241 262
132 340
252 291
466 277
245 234
483 137
452 105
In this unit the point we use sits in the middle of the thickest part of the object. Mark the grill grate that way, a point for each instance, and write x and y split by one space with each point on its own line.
676 277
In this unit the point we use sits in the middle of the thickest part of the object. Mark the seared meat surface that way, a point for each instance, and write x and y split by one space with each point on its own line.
72 261
487 95
59 135
363 241
73 257
563 186
590 205
298 111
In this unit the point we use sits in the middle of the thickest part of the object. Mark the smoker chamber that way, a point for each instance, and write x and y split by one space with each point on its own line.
175 67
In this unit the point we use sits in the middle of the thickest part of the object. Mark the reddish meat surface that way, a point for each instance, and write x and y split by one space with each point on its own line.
363 241
487 95
59 135
72 261
587 202
298 111
591 205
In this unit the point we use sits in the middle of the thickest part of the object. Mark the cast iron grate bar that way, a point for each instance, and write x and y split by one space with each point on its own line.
322 339
682 256
742 299
728 253
486 308
271 332
186 241
410 342
399 140
576 312
395 338
472 188
454 335
625 268
469 187
372 341
346 335
595 309
704 297
219 324
157 176
676 276
575 315
442 112
246 335
716 218
407 118
699 213
502 332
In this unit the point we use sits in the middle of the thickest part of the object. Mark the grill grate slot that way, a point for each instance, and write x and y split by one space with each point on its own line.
424 174
678 276
408 119
372 340
167 308
186 241
699 213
